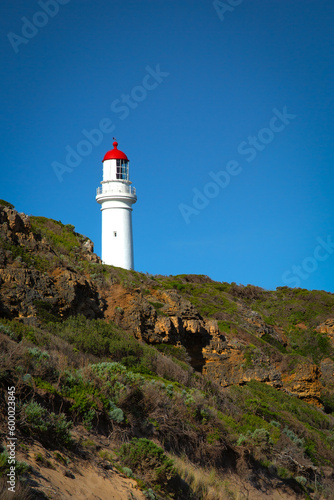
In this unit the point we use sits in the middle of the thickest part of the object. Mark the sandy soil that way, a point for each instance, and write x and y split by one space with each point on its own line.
81 479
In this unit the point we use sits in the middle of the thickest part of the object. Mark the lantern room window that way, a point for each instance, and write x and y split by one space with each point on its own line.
122 170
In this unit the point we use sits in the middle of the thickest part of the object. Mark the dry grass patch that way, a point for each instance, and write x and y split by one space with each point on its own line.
205 484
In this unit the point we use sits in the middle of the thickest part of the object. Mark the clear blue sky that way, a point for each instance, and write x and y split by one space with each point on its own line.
227 74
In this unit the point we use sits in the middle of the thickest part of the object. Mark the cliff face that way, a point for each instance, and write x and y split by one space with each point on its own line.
47 270
161 317
327 327
33 278
165 317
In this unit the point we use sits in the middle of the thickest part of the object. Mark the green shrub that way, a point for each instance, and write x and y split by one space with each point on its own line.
311 451
42 384
83 400
259 438
17 330
27 378
44 308
37 354
148 460
128 472
116 414
300 442
48 427
88 418
149 494
283 473
301 480
34 416
19 253
213 436
6 330
4 461
108 370
61 237
170 390
274 342
103 339
156 305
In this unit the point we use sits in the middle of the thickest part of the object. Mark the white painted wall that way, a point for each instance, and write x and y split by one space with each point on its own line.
117 250
109 170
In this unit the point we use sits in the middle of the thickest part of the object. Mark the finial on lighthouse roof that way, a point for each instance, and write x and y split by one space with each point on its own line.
115 154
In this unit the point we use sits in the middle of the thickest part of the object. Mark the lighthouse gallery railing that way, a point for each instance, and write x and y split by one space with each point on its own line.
119 189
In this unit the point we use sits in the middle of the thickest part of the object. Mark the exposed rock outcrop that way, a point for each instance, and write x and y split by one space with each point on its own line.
262 329
304 382
163 317
327 327
227 364
24 289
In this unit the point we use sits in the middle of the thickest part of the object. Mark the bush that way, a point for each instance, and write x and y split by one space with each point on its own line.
116 414
103 339
300 442
301 480
86 401
149 461
128 472
149 494
38 354
6 330
259 439
48 427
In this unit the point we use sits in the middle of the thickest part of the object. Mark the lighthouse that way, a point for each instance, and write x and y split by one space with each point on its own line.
116 197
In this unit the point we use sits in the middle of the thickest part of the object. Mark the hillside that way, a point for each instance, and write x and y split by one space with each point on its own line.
129 385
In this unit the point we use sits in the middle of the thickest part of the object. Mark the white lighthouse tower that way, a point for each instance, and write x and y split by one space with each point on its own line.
116 196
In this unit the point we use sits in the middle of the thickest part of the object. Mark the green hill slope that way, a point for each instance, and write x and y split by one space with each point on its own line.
194 389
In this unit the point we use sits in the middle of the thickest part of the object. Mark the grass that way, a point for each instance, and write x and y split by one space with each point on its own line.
62 237
204 483
299 418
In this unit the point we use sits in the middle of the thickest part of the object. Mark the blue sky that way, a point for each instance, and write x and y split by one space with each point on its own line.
242 92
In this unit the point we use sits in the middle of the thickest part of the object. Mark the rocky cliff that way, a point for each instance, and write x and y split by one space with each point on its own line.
48 271
33 276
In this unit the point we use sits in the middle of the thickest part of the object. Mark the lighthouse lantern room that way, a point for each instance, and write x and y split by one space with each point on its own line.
116 197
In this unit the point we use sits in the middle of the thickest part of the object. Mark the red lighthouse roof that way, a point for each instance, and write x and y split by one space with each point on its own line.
115 154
